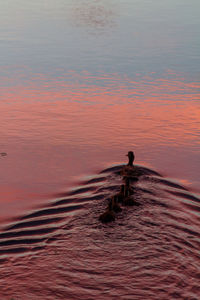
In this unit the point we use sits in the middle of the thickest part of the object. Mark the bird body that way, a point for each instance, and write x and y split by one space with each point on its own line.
128 191
120 195
108 215
129 173
128 201
116 206
129 169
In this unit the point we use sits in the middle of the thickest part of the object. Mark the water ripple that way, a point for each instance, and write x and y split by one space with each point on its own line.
156 241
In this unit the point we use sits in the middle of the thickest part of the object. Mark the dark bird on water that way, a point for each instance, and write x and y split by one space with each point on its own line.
129 173
131 158
108 215
116 206
120 195
128 191
129 170
128 201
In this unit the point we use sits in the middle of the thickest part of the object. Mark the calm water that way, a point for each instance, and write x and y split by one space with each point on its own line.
81 83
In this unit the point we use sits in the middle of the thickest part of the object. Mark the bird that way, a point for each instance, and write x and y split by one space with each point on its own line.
120 195
125 190
128 191
129 169
108 215
131 158
116 206
128 201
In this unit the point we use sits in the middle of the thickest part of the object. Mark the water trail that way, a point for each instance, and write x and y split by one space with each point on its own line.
155 241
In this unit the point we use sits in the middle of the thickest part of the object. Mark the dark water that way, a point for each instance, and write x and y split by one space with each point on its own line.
62 251
82 83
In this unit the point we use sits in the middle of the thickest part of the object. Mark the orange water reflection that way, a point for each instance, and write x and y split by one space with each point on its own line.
153 108
53 130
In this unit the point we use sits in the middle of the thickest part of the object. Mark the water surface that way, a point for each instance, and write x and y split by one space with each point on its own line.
82 83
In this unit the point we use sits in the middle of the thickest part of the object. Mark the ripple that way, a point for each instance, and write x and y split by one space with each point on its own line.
156 241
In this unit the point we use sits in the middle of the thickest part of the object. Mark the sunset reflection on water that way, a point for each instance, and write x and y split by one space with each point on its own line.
83 82
55 130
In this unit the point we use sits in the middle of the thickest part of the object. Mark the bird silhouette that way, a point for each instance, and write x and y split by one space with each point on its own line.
108 215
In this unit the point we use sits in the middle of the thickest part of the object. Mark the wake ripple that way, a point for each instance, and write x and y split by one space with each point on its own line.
43 223
159 229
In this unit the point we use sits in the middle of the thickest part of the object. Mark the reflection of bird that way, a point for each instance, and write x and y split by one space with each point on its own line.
108 215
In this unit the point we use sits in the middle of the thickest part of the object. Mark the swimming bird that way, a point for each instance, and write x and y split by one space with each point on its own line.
116 206
128 191
131 158
108 215
128 201
129 169
120 195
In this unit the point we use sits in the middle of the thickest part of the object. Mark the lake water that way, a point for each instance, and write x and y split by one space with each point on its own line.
81 84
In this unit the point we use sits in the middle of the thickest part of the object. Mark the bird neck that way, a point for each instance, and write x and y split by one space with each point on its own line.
130 162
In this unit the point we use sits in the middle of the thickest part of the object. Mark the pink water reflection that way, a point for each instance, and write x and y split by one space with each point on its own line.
55 130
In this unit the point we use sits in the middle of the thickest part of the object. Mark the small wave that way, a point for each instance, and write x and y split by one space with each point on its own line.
185 196
34 223
156 240
41 226
27 233
165 182
51 211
